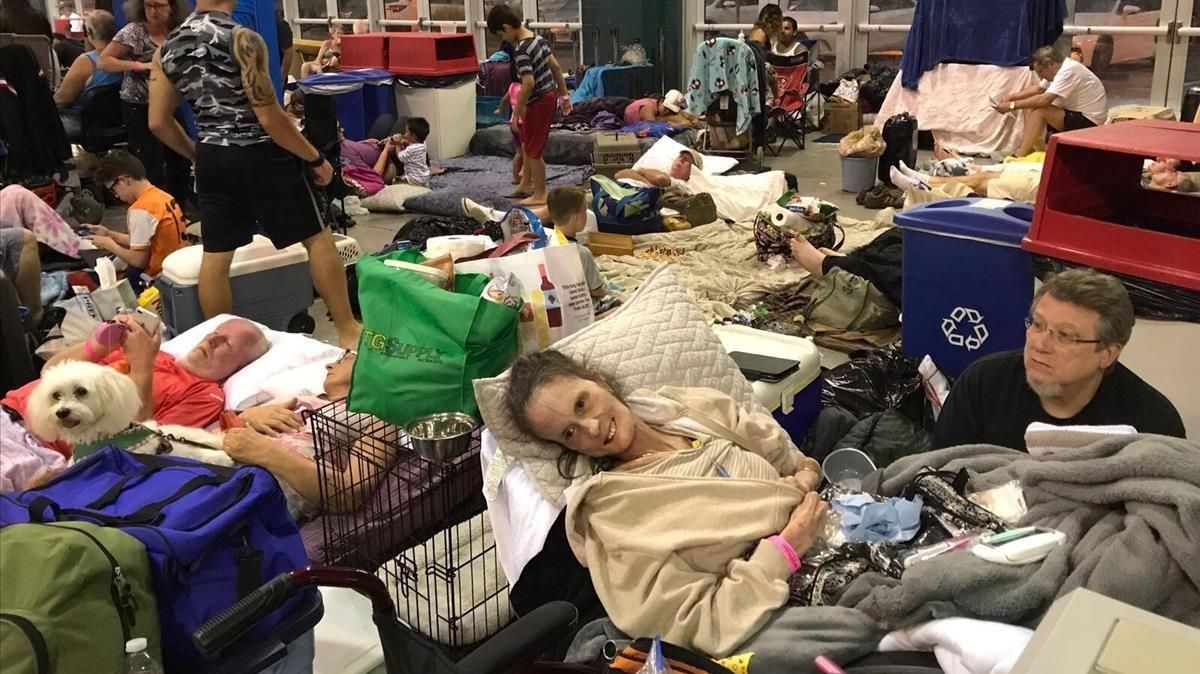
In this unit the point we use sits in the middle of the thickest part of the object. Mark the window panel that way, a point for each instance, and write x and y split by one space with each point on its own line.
1125 63
352 9
448 10
555 11
491 43
312 9
400 10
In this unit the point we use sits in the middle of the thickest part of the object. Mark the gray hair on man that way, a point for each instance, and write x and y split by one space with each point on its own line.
1045 56
1096 292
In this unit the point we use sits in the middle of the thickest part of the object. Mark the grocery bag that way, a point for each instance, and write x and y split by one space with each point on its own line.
422 346
554 288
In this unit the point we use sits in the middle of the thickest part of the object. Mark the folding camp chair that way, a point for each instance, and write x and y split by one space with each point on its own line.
795 87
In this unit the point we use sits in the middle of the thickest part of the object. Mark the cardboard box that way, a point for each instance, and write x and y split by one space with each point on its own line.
841 117
603 243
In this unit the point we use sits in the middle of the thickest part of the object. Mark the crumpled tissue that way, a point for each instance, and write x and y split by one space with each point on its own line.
865 520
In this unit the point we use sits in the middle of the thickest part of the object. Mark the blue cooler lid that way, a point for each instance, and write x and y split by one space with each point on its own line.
996 220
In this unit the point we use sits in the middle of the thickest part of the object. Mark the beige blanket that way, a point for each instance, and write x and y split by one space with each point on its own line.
719 265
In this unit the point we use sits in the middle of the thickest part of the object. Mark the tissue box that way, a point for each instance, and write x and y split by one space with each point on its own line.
102 304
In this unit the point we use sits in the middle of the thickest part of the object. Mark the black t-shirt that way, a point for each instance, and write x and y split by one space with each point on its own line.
991 403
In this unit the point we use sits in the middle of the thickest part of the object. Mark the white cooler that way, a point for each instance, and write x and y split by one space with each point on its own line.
271 286
450 112
794 401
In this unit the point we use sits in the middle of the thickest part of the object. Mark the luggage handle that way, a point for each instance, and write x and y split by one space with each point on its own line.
144 515
114 491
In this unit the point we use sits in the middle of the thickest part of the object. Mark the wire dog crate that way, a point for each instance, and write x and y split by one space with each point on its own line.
420 525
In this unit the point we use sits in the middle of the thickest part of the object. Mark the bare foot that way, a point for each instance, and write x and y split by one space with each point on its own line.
534 200
349 339
436 170
516 180
519 194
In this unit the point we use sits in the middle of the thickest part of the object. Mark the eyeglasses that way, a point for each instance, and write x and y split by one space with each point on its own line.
345 354
1061 338
110 186
156 5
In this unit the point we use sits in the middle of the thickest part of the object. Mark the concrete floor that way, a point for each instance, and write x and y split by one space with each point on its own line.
817 168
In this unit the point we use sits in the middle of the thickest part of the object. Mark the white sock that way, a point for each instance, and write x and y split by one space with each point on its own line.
905 182
913 173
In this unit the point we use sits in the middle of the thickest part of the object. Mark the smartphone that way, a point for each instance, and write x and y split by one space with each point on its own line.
147 319
758 367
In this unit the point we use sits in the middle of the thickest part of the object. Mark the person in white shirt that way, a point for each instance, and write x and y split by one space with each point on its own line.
405 159
1069 97
676 177
789 41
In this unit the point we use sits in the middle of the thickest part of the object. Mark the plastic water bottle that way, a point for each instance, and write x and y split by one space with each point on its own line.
138 660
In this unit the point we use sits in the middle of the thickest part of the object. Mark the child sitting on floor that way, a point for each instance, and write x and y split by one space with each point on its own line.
409 152
155 222
567 209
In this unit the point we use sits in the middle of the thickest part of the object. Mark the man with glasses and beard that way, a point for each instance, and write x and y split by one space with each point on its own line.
1067 374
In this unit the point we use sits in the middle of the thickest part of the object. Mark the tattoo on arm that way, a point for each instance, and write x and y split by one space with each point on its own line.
251 54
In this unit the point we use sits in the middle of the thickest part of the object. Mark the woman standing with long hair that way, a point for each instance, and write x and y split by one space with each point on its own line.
130 52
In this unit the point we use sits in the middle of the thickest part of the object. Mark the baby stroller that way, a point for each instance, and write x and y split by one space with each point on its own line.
796 82
404 650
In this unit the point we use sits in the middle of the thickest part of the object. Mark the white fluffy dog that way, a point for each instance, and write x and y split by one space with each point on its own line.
82 403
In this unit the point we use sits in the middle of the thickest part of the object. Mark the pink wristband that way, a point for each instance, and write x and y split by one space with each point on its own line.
788 552
87 350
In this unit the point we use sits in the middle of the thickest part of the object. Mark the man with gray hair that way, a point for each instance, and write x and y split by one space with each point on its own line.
1068 97
1067 374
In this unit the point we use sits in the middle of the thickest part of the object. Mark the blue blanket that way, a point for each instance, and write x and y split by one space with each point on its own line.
592 86
995 32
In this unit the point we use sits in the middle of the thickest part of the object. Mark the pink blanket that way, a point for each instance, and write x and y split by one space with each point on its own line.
952 102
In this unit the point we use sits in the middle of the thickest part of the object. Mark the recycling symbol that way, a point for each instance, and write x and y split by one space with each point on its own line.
977 331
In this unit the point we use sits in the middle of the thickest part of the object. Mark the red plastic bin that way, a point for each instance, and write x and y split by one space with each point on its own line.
367 50
431 54
1092 209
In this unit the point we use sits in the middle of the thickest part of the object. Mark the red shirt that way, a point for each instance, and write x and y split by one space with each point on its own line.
180 397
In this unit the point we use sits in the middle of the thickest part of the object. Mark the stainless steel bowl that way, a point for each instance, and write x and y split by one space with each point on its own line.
440 437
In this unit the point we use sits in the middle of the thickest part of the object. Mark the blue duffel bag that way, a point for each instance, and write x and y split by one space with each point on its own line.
213 533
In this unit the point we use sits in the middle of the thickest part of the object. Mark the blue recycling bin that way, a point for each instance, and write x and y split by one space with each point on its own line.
379 97
967 283
347 92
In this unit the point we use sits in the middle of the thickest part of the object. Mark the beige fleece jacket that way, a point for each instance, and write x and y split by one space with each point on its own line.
666 554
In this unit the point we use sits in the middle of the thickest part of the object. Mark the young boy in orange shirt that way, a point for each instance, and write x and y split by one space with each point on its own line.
155 221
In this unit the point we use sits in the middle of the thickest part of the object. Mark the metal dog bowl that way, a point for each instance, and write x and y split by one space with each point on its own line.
440 437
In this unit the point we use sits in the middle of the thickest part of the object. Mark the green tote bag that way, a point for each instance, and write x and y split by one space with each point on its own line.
423 346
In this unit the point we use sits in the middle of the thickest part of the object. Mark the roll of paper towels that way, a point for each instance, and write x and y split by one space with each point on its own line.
458 246
785 219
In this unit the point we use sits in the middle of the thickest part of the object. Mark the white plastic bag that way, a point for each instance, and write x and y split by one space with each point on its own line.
557 300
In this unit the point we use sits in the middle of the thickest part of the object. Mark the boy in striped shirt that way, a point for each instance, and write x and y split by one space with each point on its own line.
540 76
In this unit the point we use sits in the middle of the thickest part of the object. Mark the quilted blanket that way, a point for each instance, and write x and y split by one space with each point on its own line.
485 180
718 264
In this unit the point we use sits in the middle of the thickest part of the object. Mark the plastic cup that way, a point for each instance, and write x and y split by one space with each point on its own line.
847 467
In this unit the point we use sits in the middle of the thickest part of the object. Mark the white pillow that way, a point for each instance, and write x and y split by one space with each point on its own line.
391 198
658 338
662 153
289 352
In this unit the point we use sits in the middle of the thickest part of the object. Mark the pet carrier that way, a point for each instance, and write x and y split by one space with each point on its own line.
419 525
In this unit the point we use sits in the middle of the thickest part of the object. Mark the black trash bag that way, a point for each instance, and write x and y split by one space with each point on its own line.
1151 299
886 437
831 425
419 230
875 381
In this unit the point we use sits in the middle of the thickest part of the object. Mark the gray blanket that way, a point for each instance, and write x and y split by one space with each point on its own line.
1130 508
485 180
564 147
